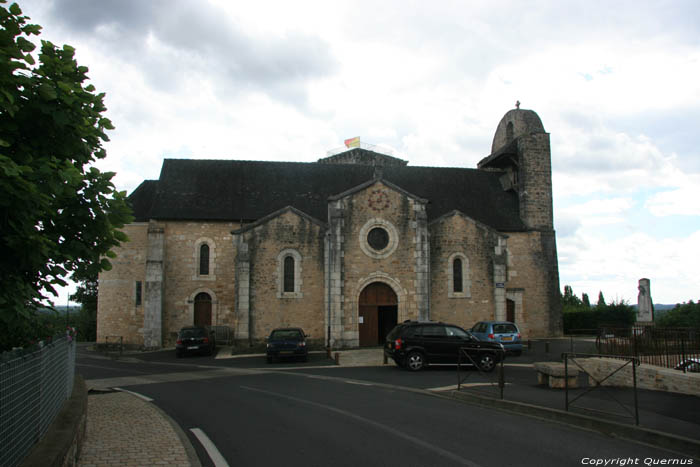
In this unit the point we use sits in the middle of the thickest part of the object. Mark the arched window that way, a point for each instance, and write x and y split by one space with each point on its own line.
288 274
457 284
204 260
509 132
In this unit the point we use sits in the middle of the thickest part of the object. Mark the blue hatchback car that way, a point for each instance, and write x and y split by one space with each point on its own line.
503 332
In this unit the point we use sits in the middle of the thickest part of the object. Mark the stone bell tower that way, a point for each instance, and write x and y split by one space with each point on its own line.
521 147
521 154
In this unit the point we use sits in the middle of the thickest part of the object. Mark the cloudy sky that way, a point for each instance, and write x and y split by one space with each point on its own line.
616 84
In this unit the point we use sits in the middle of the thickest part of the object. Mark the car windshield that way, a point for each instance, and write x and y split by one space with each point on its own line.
195 332
504 328
286 334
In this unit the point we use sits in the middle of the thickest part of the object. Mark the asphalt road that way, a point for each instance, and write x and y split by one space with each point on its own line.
351 416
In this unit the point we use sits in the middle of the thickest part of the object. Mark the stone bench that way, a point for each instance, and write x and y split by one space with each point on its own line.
553 374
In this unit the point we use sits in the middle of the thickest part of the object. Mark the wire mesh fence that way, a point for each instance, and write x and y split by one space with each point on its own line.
33 387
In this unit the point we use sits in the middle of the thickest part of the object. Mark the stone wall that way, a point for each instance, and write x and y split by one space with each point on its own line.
535 181
648 376
532 274
269 306
183 281
171 307
118 313
454 236
402 264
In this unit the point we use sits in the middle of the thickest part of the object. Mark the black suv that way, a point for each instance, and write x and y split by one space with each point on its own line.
413 345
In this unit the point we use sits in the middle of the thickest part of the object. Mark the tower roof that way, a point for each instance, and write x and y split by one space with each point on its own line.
515 123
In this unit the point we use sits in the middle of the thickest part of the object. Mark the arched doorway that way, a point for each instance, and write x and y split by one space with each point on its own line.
378 308
202 309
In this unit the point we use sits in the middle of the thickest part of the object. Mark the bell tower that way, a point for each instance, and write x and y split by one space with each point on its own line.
522 152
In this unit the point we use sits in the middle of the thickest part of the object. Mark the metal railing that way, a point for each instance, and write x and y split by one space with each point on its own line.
464 357
575 359
222 335
665 347
33 387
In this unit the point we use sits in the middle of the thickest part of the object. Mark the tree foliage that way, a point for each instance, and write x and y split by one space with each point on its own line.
86 321
586 301
683 315
601 299
579 316
58 214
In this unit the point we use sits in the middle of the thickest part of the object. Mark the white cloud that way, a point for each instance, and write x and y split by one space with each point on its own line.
683 200
274 80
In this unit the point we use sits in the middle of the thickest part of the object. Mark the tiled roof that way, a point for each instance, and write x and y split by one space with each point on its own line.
190 189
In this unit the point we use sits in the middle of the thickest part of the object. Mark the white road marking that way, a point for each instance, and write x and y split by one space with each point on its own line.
391 430
464 385
140 396
358 383
210 447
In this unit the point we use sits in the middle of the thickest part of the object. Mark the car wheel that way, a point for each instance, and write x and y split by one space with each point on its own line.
487 362
415 361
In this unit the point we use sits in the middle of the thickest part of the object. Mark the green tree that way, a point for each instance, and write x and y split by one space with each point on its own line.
683 315
569 298
601 299
86 321
586 301
58 214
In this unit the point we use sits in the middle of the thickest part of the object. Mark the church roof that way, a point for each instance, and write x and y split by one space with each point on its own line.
232 190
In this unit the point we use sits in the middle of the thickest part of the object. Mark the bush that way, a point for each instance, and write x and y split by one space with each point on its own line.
616 314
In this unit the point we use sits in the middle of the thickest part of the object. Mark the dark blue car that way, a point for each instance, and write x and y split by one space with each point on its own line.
287 343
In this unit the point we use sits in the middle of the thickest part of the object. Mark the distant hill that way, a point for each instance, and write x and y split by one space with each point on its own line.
61 309
659 307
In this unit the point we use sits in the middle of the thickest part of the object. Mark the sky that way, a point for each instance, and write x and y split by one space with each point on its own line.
616 84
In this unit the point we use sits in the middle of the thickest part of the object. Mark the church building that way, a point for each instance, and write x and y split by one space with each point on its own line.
345 247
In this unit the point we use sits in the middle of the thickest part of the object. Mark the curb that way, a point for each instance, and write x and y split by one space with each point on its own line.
186 444
675 443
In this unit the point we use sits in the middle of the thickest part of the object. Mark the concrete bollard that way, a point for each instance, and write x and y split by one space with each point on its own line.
337 358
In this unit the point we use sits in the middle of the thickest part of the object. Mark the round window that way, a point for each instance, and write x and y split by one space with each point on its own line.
378 238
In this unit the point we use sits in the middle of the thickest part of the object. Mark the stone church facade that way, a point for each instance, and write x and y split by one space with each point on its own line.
345 247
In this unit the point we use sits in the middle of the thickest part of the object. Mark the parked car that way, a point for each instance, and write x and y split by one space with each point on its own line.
690 365
503 332
195 339
414 345
287 343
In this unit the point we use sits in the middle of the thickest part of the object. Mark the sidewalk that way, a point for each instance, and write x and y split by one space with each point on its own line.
123 429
